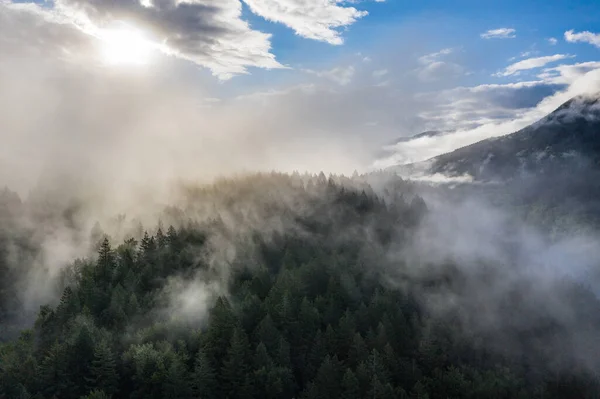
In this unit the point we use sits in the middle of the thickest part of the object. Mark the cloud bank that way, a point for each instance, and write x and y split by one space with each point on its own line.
119 131
212 34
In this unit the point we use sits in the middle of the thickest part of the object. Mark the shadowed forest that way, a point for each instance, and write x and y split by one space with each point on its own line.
277 286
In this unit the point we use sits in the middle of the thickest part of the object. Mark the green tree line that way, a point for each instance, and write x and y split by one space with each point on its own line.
304 313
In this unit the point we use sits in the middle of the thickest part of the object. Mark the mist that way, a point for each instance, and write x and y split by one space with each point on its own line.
489 272
239 193
83 142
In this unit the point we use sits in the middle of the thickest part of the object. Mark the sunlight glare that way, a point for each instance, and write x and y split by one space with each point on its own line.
125 45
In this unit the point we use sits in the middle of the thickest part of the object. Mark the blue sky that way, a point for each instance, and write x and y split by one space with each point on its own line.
438 24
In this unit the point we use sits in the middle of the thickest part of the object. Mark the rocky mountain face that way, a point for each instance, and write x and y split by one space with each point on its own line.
565 141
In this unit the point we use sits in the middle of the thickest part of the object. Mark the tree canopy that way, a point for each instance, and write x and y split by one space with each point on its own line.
305 309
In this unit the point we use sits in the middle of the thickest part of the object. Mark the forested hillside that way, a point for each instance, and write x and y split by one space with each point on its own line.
276 286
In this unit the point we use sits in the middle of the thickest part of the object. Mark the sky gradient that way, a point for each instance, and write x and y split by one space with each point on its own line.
282 84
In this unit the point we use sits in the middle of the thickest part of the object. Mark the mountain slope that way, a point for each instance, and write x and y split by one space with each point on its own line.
565 139
429 133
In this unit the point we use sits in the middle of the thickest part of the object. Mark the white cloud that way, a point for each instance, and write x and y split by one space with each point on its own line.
568 73
523 54
210 33
26 28
380 73
552 41
429 58
531 63
364 58
500 33
584 37
434 69
339 75
439 70
264 96
464 108
312 19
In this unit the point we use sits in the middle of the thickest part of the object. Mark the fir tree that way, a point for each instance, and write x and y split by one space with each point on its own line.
236 367
350 386
204 382
103 372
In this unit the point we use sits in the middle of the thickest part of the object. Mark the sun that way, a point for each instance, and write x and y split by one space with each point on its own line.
125 45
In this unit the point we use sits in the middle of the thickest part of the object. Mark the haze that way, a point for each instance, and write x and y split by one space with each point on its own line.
220 198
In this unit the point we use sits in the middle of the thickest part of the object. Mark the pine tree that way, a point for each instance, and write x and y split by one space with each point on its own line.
96 235
97 394
103 370
147 249
161 239
105 255
221 324
106 263
310 392
68 306
54 375
345 333
358 351
377 366
204 382
267 333
177 382
350 386
419 391
263 366
262 358
133 306
380 390
283 354
235 368
80 356
172 237
331 341
328 379
364 378
315 357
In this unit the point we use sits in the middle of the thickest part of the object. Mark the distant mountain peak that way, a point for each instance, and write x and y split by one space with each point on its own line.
566 139
581 106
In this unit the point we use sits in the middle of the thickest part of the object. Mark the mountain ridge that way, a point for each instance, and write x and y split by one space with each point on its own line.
568 135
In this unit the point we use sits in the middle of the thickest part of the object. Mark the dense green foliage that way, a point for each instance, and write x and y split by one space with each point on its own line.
309 309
